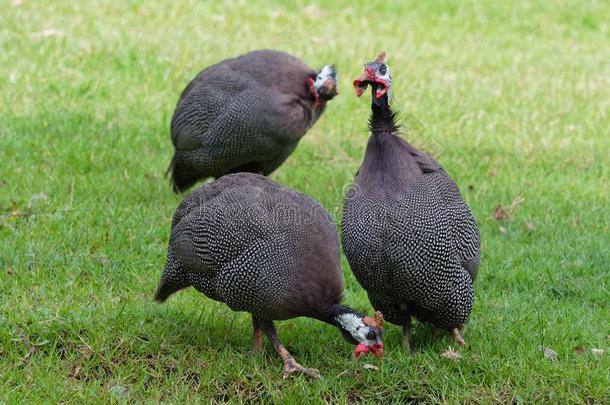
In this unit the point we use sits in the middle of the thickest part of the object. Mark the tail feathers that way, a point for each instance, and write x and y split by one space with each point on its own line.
172 280
182 177
167 288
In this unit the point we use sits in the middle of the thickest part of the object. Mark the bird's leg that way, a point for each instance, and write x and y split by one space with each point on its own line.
457 336
290 365
407 343
257 345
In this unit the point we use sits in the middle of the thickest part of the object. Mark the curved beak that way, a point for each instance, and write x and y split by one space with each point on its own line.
330 87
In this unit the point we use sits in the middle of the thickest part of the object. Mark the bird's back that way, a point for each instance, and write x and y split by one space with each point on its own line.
217 86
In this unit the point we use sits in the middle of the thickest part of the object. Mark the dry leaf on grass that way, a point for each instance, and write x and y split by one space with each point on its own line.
368 366
548 353
48 32
597 352
501 212
579 350
118 390
451 354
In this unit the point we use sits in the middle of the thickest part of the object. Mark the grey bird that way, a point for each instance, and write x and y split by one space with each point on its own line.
408 235
265 249
246 114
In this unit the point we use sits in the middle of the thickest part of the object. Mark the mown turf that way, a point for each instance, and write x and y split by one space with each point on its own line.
513 99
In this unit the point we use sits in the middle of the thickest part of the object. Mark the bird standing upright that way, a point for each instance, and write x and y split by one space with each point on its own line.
246 114
265 249
408 235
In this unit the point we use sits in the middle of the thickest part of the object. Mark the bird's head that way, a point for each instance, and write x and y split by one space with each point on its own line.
363 331
324 85
377 75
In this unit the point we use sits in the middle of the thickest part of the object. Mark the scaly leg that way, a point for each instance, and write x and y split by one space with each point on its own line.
457 336
257 345
290 365
407 343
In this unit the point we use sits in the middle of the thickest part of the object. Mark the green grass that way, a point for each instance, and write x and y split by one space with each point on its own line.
513 99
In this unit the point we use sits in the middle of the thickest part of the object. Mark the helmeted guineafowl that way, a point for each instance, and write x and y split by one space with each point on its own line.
265 249
246 114
408 235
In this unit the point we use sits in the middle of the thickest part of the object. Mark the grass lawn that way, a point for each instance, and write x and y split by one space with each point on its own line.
513 100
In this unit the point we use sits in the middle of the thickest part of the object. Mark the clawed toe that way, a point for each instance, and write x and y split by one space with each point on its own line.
291 367
457 336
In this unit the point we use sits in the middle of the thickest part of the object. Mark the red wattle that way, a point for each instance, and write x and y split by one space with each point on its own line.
377 350
360 349
359 90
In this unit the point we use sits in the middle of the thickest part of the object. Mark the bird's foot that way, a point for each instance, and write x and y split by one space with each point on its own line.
457 336
291 367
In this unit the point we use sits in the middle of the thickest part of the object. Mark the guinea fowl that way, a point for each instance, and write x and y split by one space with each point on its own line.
408 235
265 249
246 114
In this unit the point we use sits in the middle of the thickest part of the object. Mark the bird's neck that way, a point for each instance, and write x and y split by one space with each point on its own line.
318 103
383 119
389 162
343 318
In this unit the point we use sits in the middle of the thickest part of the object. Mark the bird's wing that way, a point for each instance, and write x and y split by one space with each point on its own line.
216 223
190 242
463 225
202 102
468 242
256 126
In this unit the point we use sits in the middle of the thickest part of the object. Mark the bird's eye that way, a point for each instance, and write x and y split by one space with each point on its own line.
382 70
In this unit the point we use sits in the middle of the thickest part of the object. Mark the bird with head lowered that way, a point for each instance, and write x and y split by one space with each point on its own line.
265 249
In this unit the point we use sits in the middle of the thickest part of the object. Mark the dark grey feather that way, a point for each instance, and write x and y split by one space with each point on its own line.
408 235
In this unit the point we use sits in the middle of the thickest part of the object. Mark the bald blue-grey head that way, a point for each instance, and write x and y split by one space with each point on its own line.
325 83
